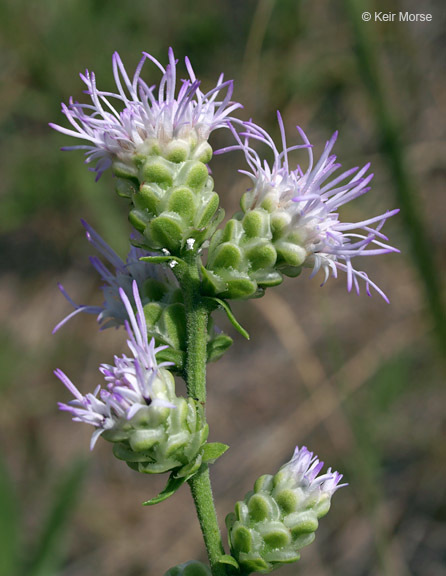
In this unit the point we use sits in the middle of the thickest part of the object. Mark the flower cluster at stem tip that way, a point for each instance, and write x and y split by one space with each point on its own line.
280 515
182 265
296 210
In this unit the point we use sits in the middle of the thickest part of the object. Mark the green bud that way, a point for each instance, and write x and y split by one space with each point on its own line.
125 170
270 202
280 222
158 171
196 174
182 201
290 254
256 224
261 254
165 231
290 271
177 151
172 194
206 211
212 282
226 255
267 279
203 153
233 231
148 198
238 285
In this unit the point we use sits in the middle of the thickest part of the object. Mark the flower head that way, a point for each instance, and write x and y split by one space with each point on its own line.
305 467
118 126
280 516
116 275
129 382
305 203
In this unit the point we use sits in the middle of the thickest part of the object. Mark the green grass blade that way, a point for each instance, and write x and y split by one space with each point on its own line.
46 555
393 150
9 524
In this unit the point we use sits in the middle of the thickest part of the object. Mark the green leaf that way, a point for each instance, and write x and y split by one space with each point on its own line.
161 259
213 450
45 557
218 346
173 484
9 520
226 559
230 315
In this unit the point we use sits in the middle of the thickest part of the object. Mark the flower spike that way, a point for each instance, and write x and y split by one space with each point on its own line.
129 380
119 126
303 205
280 516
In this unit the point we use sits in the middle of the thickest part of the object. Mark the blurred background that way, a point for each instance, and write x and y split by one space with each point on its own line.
358 381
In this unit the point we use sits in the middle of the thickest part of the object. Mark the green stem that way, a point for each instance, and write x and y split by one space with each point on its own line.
197 315
200 486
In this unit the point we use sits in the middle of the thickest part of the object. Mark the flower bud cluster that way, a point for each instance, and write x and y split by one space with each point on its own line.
163 436
242 258
152 429
158 148
174 202
280 516
289 221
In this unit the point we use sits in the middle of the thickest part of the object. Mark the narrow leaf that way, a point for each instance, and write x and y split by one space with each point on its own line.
171 487
46 554
162 259
9 520
230 315
226 559
213 450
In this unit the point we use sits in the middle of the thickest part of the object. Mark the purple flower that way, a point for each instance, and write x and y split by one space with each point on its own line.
129 382
117 126
304 204
117 275
305 469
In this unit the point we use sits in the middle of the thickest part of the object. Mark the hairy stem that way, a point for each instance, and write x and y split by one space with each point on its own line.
197 315
201 489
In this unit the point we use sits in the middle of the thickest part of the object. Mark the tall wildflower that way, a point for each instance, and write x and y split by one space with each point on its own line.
181 267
